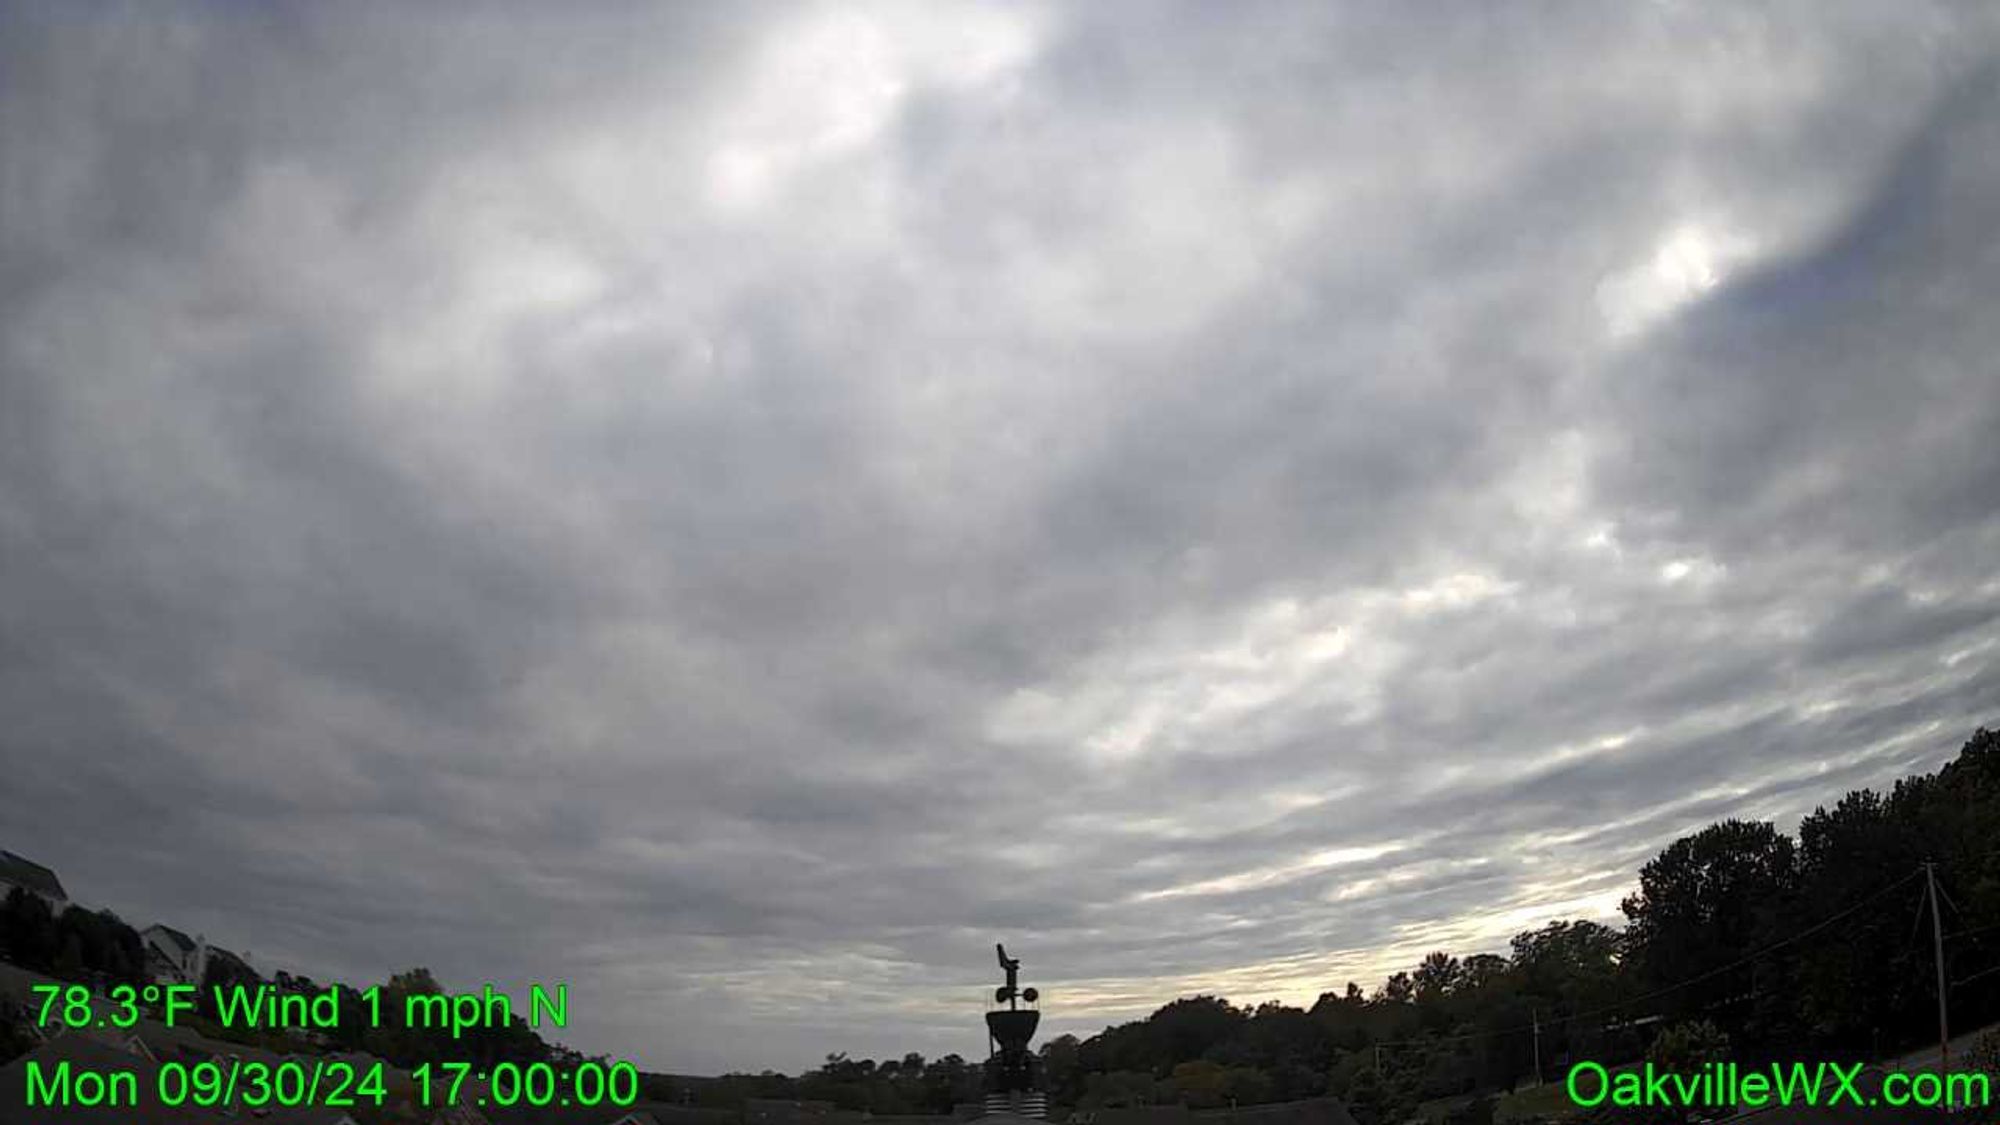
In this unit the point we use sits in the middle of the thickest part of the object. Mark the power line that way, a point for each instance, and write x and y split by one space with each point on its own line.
1755 954
1976 976
1974 932
1947 900
1677 985
1917 919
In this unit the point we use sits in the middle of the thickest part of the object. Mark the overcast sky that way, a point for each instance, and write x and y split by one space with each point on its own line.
739 508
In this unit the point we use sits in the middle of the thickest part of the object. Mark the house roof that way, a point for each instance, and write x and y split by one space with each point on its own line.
218 954
180 939
24 872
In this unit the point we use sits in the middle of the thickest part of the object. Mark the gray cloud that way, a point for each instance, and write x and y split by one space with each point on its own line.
739 509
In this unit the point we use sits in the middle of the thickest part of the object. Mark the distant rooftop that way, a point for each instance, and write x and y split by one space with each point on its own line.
24 872
185 942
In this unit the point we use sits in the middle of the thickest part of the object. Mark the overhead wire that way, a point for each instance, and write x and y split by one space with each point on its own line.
1665 990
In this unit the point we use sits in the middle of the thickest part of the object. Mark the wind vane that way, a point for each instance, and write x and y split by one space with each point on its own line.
1010 992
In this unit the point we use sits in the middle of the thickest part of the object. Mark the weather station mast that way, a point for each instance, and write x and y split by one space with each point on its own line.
1012 1072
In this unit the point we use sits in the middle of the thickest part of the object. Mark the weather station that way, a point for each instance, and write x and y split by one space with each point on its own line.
1013 1072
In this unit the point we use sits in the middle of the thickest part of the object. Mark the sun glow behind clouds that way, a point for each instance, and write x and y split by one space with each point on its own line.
829 85
1686 262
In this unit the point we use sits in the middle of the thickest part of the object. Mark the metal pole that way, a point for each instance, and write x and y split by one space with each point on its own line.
1536 1015
1937 947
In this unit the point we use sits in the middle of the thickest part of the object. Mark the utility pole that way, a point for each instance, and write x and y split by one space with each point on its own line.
1536 1015
1937 947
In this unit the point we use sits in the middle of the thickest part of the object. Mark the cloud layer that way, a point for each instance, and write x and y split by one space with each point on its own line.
739 510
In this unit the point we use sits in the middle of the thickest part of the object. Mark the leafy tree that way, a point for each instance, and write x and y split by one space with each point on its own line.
408 1044
28 931
1506 1043
1279 1036
1708 900
1199 1084
1573 964
1436 978
1847 992
1062 1069
1119 1089
1433 986
69 963
949 1081
104 946
1483 971
1343 1017
1685 1048
1398 989
412 982
1246 1085
1187 1029
1376 1099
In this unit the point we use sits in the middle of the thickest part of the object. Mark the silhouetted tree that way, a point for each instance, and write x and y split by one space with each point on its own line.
1708 900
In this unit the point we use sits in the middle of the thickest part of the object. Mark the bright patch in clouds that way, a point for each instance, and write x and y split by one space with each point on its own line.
1687 262
828 83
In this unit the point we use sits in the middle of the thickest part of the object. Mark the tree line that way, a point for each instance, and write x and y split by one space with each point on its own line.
1737 937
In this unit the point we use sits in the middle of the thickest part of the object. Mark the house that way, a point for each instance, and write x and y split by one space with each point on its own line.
172 957
230 967
20 871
